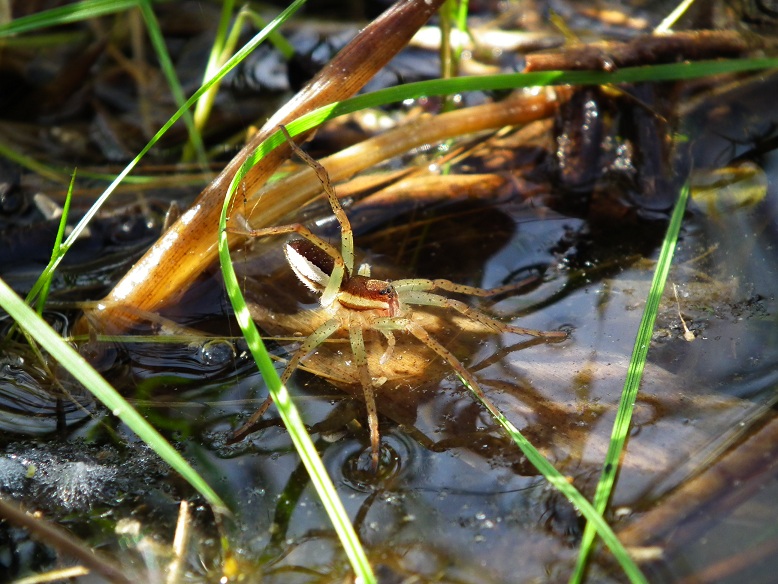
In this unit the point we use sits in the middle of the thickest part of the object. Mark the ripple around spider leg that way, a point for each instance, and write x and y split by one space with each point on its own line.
351 464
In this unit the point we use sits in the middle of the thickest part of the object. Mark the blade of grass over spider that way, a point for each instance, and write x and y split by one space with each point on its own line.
286 408
34 325
632 383
226 68
414 138
380 149
395 142
437 87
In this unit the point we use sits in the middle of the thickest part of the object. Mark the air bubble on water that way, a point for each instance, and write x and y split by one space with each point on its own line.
217 353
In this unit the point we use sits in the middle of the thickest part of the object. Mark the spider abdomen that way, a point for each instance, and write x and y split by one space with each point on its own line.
310 264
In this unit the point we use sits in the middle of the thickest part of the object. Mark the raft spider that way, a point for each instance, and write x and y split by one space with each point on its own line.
356 303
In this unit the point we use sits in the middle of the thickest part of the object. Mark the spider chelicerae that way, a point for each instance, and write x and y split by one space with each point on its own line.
355 303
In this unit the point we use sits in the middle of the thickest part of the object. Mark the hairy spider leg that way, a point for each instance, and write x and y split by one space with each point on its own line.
419 297
338 271
360 360
439 284
346 233
468 378
422 335
316 338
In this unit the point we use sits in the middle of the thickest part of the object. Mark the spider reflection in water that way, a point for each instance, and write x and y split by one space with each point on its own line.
356 303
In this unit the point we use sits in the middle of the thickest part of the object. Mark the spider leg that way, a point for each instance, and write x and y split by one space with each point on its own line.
335 279
424 285
390 343
315 339
421 334
360 359
346 233
430 299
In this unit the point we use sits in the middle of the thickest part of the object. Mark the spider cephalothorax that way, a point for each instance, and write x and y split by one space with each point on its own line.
355 303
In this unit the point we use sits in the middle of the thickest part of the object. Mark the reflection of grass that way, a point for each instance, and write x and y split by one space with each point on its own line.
81 370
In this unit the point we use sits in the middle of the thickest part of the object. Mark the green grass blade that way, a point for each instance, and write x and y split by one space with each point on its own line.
166 64
278 40
653 73
76 365
223 47
463 9
12 153
215 60
672 19
228 66
632 383
58 249
286 408
560 482
65 14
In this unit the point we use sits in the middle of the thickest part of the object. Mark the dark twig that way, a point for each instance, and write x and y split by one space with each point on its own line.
63 541
647 50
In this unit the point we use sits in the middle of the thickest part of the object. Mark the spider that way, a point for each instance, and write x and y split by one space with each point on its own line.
355 302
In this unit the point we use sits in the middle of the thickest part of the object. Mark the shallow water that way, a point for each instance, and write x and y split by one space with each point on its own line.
454 500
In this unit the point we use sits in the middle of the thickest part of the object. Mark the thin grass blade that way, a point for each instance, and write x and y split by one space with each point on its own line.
57 250
286 408
560 482
169 70
634 375
65 14
77 366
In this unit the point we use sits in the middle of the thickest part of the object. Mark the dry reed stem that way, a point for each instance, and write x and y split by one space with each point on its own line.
190 246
